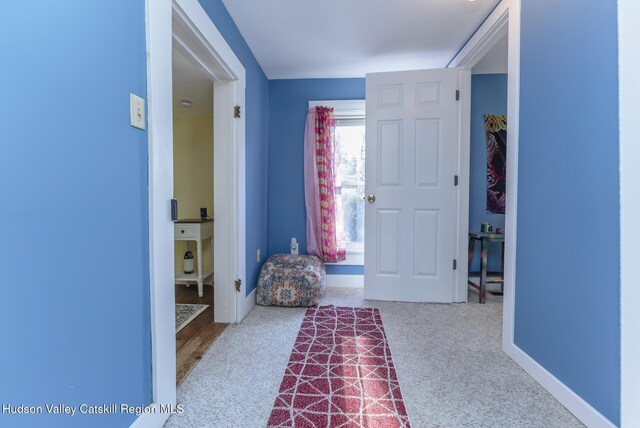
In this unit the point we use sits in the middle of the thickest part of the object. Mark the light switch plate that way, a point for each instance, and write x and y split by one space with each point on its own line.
136 105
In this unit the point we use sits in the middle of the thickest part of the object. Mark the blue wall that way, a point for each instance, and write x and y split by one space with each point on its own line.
289 103
73 179
345 269
488 96
257 133
567 314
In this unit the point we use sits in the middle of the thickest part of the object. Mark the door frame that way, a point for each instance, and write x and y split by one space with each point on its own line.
198 40
185 23
505 19
629 92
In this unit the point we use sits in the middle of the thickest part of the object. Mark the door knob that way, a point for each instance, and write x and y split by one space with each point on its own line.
371 198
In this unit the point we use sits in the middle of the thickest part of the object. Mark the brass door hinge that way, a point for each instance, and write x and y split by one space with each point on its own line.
238 283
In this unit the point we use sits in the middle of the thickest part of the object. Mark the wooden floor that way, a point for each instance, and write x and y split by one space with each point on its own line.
196 337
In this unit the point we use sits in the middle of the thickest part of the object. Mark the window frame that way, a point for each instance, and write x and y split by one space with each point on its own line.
344 111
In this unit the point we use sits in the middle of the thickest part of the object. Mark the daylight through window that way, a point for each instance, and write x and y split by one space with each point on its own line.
350 155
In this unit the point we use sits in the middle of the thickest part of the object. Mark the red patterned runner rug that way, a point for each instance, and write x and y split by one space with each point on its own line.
340 374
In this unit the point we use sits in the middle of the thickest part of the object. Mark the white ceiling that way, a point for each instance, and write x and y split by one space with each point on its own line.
349 38
190 83
496 60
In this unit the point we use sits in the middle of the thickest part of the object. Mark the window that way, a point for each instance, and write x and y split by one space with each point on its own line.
350 158
350 137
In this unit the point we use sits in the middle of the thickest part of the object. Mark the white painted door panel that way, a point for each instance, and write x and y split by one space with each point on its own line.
412 135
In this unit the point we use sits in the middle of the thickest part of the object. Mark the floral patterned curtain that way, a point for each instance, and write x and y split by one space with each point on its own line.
323 208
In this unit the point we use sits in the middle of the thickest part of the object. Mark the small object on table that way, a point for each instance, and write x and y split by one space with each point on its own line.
486 228
188 263
484 239
500 230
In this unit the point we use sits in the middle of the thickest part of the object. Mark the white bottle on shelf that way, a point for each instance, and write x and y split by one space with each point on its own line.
188 263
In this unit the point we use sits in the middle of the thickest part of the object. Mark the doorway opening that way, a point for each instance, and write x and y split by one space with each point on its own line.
504 22
487 175
186 25
193 184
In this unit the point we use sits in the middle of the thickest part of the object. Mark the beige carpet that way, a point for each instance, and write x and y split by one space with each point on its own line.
449 362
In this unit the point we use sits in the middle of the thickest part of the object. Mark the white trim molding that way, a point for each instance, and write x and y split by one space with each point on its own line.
248 303
629 37
343 107
161 244
569 399
153 419
185 25
463 165
494 28
345 281
513 141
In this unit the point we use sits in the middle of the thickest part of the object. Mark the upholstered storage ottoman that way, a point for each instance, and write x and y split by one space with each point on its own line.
291 280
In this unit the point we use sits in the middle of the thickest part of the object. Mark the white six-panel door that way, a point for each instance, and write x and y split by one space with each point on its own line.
411 140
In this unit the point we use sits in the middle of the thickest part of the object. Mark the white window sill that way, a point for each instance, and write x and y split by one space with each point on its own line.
355 257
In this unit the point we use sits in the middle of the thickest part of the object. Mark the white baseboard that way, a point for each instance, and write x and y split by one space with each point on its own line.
345 281
569 399
151 420
248 304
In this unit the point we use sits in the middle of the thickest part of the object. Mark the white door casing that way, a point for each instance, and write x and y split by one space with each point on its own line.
185 24
629 34
411 150
198 40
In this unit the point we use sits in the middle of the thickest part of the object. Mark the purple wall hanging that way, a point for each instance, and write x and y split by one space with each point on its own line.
496 127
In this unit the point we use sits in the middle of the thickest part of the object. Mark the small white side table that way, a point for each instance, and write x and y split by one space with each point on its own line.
199 231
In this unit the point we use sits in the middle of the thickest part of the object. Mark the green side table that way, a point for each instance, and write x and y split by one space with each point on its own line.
484 239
